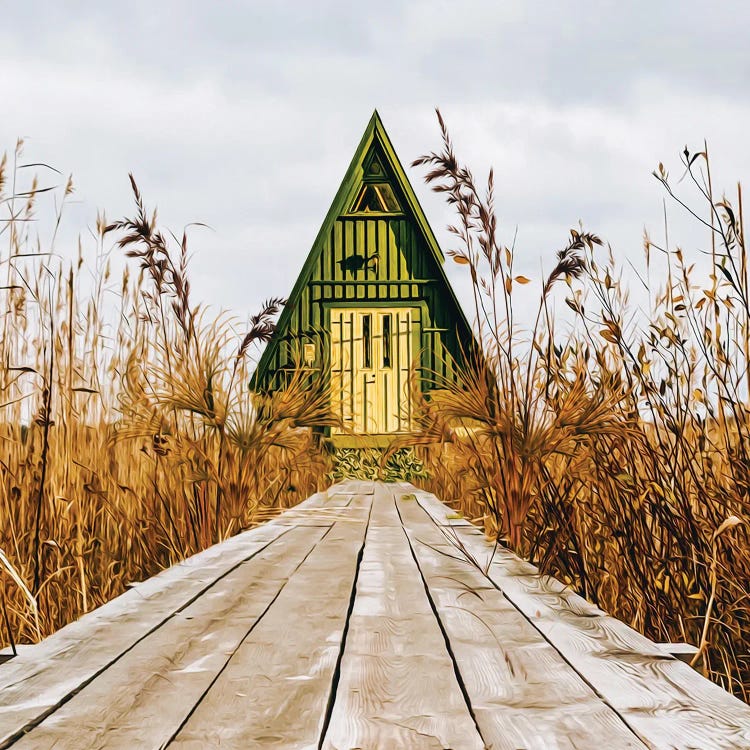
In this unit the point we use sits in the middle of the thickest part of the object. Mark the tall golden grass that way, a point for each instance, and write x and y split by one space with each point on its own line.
615 454
129 437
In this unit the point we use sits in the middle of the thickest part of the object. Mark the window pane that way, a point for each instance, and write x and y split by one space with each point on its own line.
367 340
377 197
387 340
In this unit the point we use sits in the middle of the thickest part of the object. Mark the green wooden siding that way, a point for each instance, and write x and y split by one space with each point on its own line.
401 276
408 272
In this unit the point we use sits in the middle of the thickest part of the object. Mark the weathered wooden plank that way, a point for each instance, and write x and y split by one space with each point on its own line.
397 687
353 487
274 690
144 697
537 666
41 677
665 702
522 692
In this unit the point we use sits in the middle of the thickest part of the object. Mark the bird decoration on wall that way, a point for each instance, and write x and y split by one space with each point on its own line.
357 262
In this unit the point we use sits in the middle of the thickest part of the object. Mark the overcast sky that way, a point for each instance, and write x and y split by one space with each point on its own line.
245 115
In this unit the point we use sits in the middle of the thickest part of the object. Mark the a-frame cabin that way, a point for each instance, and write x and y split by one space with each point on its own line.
372 306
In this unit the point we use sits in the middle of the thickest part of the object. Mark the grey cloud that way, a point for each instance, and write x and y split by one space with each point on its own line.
245 115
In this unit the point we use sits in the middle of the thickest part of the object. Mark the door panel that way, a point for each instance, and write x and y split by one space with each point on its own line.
371 354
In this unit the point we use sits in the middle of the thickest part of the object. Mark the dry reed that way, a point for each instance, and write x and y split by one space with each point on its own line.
130 439
617 455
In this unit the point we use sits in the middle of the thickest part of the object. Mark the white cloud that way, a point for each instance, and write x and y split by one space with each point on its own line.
245 116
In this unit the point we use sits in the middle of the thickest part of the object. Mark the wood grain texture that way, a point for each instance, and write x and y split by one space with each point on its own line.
257 642
522 692
666 703
408 272
397 688
44 675
142 699
274 690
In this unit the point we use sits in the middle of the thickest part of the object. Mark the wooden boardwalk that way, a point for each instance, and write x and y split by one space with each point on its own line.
355 620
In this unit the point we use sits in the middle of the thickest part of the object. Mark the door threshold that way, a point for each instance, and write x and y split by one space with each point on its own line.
381 440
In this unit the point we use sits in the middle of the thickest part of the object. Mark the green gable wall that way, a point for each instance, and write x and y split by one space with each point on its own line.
408 272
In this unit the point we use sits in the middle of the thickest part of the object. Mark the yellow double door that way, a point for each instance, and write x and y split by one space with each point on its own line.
371 356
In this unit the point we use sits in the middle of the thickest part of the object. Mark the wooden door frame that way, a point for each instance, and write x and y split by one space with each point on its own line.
370 440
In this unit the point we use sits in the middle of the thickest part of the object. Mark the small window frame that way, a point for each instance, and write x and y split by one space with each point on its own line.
367 341
385 195
387 332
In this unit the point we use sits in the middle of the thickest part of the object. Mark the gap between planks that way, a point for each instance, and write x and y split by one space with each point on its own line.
274 690
46 676
664 702
522 693
143 698
397 686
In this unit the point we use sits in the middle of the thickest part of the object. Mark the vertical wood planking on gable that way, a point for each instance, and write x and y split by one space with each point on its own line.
405 256
304 307
415 254
407 252
371 249
321 262
408 269
400 253
338 243
361 248
384 254
316 321
412 256
381 243
392 250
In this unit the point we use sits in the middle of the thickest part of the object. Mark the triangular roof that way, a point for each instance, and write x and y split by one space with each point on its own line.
374 140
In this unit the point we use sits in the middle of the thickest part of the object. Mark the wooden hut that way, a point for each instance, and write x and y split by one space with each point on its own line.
372 311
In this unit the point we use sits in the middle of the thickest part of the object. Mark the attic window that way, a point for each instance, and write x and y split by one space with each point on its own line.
376 197
375 169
